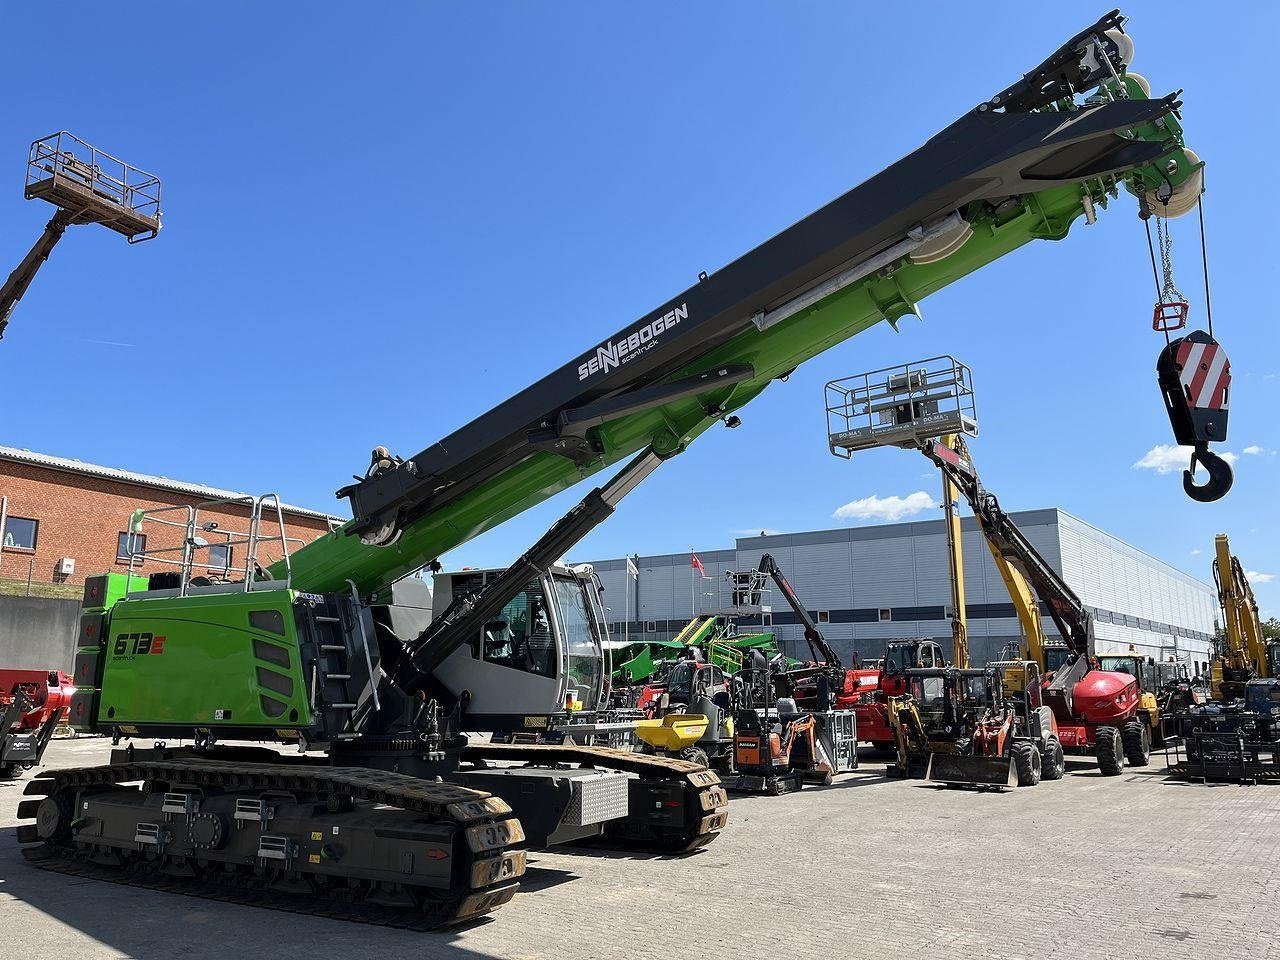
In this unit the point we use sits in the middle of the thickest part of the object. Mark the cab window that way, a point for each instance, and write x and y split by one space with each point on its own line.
520 636
581 644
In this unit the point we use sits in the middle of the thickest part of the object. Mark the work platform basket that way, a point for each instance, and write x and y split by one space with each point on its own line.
93 186
900 406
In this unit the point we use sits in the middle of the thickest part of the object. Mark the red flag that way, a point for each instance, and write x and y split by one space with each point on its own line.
697 564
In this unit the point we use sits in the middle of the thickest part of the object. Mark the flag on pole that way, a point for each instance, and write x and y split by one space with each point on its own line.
632 570
696 564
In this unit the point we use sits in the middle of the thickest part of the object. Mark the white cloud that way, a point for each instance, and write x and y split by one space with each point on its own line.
1166 458
1253 450
1196 552
885 509
1253 576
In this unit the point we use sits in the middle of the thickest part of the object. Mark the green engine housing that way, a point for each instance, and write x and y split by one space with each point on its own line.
235 663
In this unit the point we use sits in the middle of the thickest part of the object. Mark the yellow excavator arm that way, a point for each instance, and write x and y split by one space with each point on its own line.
1242 653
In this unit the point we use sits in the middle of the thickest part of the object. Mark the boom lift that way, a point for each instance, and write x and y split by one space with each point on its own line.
311 646
921 403
87 186
825 678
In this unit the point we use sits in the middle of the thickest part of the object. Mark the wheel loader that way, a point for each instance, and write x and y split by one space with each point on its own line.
977 727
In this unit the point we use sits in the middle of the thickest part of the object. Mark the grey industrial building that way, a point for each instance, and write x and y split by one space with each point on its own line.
866 585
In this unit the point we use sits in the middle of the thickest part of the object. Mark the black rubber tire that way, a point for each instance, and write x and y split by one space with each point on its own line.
1110 752
1054 765
1027 761
695 755
1137 742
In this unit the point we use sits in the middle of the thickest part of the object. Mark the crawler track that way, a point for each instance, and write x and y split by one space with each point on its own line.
480 874
682 824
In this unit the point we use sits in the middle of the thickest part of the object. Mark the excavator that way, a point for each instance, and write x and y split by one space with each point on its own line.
928 406
1236 734
394 810
1242 652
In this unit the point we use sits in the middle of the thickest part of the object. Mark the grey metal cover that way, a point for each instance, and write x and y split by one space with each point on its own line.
597 799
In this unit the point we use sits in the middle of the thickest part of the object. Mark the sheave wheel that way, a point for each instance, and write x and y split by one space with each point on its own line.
1137 742
1026 760
1110 752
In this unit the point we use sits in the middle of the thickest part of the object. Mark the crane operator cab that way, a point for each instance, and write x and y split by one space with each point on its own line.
537 661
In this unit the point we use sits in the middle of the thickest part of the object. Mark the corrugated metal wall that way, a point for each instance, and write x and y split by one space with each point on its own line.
861 575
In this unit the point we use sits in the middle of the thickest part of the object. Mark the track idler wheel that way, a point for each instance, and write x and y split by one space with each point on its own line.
53 817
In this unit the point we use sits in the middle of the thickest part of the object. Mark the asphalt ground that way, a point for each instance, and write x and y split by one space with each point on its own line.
1088 867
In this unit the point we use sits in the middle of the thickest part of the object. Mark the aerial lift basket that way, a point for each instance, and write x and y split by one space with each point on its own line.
900 406
93 186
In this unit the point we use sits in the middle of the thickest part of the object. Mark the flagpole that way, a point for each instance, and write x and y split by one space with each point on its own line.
626 603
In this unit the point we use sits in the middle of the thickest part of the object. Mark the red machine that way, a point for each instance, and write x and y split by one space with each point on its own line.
868 691
32 704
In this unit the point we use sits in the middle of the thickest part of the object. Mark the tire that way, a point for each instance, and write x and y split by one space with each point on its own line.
1110 752
1137 742
1055 763
696 755
1026 760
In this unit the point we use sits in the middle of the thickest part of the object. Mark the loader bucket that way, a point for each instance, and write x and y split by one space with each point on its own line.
673 732
971 771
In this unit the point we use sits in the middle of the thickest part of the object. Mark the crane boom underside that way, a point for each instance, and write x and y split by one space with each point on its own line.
1010 177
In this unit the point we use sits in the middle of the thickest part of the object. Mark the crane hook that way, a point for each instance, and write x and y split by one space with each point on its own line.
1220 475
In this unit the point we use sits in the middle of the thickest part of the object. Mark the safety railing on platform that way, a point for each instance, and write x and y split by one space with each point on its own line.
94 186
902 405
196 543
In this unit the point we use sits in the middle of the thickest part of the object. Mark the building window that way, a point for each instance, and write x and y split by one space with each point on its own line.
766 619
824 616
220 557
20 533
651 626
128 544
886 615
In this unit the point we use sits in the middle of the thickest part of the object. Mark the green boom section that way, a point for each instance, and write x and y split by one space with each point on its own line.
328 563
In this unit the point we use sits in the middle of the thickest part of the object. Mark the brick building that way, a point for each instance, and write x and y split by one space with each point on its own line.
56 510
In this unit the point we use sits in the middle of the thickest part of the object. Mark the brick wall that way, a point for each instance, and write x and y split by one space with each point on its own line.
82 516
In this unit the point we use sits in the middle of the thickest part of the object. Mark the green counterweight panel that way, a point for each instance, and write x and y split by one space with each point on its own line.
227 660
101 593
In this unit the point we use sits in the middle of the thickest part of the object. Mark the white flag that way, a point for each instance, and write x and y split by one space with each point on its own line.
632 570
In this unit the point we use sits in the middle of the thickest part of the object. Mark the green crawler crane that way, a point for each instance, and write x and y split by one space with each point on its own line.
390 812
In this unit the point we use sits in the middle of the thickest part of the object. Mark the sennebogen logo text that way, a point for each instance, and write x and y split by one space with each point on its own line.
617 352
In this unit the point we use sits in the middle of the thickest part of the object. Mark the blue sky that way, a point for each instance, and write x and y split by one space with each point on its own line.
378 226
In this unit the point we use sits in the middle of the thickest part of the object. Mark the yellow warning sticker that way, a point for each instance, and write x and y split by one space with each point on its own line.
317 835
314 858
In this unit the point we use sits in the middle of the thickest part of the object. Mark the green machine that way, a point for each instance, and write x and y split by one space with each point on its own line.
392 810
